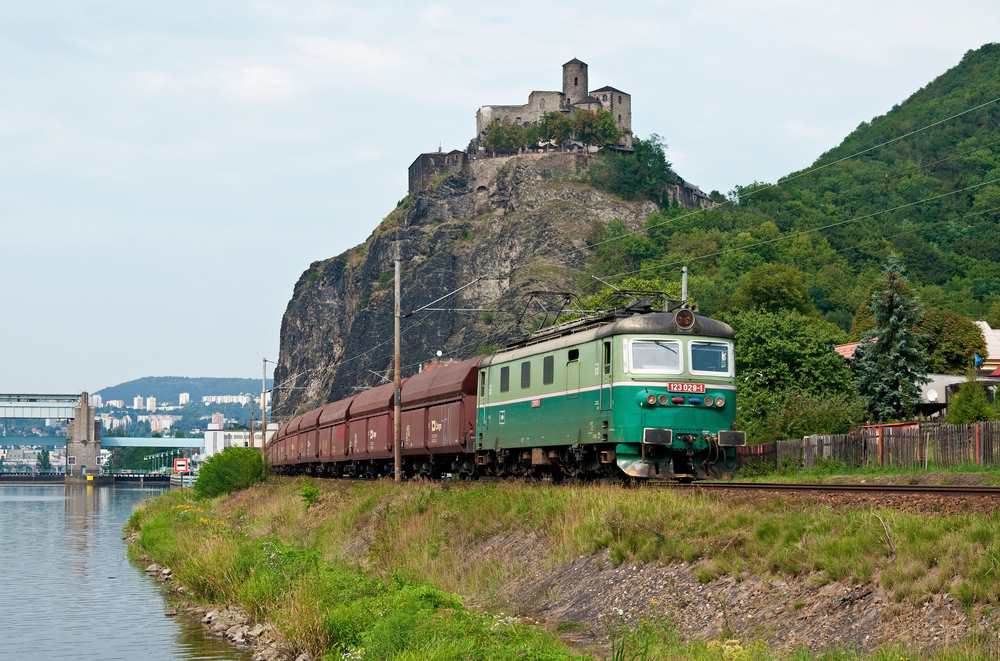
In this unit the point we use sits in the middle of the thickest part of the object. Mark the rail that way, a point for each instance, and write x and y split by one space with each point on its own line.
941 490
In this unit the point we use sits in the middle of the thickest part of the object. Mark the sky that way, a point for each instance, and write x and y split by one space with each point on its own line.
169 169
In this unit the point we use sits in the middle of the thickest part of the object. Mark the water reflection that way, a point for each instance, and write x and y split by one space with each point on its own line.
67 590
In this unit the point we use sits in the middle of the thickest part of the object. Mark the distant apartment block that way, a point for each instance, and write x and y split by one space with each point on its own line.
96 401
151 404
184 398
242 400
110 422
138 402
116 403
160 423
218 419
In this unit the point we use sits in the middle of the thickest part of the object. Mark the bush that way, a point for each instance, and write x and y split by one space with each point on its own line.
233 468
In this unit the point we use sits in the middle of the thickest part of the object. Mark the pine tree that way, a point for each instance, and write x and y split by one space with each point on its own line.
970 403
888 365
42 460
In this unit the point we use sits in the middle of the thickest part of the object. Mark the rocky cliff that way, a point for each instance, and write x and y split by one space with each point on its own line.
519 223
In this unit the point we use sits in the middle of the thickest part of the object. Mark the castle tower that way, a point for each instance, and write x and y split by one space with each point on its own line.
575 80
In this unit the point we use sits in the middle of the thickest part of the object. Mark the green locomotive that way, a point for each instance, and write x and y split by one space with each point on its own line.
648 392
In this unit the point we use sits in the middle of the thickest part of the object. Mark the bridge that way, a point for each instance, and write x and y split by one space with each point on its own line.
110 441
83 433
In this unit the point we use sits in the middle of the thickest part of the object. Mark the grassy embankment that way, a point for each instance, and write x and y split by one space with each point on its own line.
355 570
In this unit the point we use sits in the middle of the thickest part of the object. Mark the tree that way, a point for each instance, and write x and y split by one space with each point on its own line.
556 127
970 403
888 364
952 341
42 461
993 316
771 288
645 173
779 353
504 137
596 128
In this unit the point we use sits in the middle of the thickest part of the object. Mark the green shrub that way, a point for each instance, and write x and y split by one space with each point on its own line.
310 495
233 468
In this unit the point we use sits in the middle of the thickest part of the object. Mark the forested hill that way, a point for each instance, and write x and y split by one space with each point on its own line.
922 181
168 388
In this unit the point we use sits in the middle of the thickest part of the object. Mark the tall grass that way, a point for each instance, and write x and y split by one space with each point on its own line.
354 569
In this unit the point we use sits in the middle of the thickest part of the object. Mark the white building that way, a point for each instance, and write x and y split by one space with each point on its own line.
138 402
96 401
116 403
151 404
185 397
219 440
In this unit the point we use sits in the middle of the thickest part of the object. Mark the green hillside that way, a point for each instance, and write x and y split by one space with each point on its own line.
921 181
168 388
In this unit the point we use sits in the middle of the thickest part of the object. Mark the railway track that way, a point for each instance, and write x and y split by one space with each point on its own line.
950 490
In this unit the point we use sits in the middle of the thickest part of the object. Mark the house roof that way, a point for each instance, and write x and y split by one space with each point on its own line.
587 99
992 337
608 88
846 350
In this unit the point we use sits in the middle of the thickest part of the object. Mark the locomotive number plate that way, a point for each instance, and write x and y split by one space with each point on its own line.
697 388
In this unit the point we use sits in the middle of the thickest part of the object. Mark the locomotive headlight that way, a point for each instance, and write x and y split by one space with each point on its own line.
663 400
651 399
720 401
708 400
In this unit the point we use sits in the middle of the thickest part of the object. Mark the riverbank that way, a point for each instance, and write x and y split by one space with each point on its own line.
650 569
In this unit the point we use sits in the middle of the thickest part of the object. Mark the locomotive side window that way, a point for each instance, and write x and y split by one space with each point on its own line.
482 383
574 354
548 370
656 356
714 358
504 379
525 375
607 358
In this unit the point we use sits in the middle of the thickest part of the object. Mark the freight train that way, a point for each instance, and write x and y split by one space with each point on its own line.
633 393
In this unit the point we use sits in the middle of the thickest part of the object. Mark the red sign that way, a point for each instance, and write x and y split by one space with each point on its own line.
535 403
180 465
695 388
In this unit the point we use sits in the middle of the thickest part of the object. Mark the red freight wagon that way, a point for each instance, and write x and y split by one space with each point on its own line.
333 430
371 424
447 396
275 446
292 440
309 436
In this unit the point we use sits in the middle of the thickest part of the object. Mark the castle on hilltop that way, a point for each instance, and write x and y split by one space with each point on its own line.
575 95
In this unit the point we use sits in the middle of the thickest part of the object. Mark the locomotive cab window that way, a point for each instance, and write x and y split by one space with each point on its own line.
607 358
482 383
548 370
711 358
504 379
525 375
574 354
656 356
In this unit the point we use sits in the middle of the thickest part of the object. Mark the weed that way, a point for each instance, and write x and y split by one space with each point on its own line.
310 495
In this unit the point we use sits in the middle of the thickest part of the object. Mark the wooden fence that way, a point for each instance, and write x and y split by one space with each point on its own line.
916 445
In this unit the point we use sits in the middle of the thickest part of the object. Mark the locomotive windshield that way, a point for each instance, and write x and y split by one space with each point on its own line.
710 358
656 356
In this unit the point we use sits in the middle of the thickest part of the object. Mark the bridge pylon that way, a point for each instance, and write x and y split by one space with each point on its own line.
83 444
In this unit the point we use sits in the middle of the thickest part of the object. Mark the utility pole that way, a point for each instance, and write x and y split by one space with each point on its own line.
263 411
397 420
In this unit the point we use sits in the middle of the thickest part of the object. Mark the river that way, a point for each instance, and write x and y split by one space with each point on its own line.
67 591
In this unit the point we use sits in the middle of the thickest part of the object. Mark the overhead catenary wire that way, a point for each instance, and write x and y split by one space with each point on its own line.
646 228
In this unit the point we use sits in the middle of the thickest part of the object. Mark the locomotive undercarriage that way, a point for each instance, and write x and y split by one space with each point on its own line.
607 461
